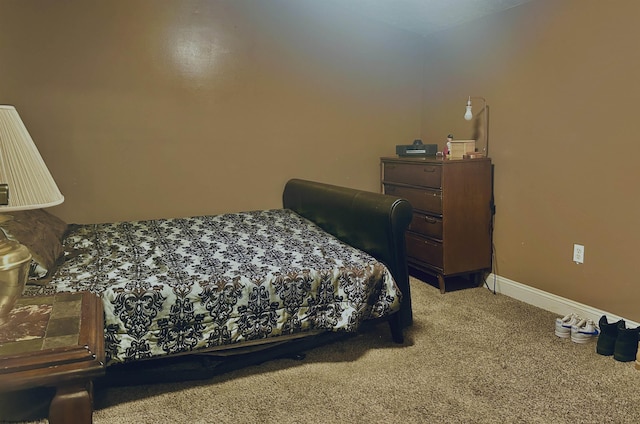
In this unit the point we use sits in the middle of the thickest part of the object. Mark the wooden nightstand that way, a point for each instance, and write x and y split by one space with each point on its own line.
55 341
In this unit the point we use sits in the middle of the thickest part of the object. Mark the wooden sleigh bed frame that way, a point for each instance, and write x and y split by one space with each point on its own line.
370 222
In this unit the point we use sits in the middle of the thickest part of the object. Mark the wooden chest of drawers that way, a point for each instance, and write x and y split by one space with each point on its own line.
450 233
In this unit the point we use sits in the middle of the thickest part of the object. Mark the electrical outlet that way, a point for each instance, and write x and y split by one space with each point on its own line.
578 253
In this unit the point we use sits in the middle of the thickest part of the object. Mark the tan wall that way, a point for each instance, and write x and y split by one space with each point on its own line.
144 110
196 107
561 79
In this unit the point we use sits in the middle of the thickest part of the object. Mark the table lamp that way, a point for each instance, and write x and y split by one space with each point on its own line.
25 183
468 115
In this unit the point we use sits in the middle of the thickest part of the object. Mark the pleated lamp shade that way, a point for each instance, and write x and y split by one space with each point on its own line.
30 183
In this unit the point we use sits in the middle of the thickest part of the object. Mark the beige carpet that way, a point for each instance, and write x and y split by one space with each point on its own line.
470 357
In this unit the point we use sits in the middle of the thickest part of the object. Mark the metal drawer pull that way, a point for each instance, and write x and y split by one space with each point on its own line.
429 169
430 220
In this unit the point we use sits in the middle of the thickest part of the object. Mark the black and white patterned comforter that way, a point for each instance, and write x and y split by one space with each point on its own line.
176 285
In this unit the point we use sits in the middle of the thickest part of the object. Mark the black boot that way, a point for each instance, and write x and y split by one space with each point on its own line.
608 335
626 346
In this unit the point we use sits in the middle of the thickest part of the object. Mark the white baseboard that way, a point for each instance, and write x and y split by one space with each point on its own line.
548 301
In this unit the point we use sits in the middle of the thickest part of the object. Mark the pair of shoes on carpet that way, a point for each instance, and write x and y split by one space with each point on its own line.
617 340
580 330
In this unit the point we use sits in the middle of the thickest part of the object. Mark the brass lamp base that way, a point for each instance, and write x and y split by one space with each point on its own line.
14 271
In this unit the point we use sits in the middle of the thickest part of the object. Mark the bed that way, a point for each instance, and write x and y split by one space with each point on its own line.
331 259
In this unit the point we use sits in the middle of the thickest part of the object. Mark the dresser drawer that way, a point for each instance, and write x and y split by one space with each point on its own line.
425 250
422 199
429 226
423 175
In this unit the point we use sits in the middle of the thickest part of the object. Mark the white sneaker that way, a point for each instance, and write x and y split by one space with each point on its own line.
563 325
585 331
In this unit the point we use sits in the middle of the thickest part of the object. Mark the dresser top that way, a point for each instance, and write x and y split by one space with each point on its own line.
429 159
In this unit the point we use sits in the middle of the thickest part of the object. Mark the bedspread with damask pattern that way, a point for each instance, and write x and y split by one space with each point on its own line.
171 286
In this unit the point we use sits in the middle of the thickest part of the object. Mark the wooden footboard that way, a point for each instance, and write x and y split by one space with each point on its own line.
372 222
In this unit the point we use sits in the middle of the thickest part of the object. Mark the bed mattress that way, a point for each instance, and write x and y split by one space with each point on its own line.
171 286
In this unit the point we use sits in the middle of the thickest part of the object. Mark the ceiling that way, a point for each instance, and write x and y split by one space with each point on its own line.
425 17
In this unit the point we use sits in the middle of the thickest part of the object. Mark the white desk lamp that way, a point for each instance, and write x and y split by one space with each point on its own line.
468 115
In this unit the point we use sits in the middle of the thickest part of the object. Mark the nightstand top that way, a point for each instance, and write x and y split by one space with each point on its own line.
49 339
